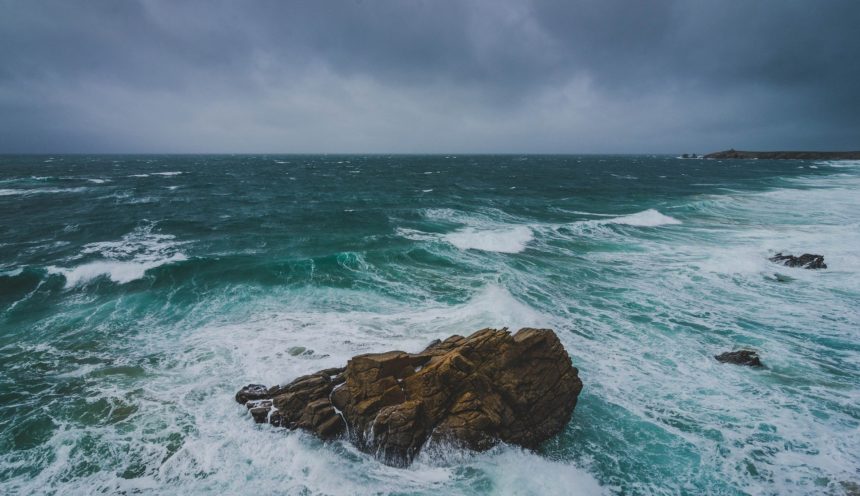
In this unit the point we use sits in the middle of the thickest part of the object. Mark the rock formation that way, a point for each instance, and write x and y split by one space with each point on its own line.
784 155
806 261
741 357
470 392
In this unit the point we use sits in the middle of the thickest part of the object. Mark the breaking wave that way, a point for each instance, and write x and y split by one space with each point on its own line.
646 218
503 240
124 260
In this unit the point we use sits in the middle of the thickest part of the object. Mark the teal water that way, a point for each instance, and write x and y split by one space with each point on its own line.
138 293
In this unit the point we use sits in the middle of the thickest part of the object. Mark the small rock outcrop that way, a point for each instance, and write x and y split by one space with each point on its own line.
806 261
470 392
741 357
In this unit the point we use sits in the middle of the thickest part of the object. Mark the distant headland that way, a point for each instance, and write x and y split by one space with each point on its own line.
783 155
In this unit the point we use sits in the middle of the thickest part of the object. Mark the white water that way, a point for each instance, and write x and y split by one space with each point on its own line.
508 235
190 391
118 271
641 320
481 232
647 218
124 260
503 240
39 191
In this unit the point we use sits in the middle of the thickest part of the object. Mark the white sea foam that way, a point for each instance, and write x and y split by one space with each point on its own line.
186 396
840 163
118 271
516 472
581 212
38 191
417 235
711 288
11 272
512 239
172 173
493 231
661 415
124 260
360 323
447 215
601 227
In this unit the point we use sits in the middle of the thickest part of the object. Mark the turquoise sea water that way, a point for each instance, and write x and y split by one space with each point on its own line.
138 293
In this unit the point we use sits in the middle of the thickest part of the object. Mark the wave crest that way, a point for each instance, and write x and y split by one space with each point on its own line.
503 240
118 271
646 218
124 260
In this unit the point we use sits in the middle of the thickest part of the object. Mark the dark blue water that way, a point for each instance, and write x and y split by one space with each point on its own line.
137 293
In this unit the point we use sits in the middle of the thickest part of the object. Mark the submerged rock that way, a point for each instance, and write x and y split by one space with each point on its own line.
252 392
851 488
741 357
806 261
470 392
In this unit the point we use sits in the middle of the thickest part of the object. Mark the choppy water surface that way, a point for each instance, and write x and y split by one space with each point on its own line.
137 293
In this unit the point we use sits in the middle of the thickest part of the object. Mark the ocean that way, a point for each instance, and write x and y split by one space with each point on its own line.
139 293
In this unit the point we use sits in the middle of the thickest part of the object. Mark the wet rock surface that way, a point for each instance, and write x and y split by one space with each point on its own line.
470 392
806 261
741 357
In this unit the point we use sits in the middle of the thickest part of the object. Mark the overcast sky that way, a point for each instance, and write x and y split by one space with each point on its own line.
577 76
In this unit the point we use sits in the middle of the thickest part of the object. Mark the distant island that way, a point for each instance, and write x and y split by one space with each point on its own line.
783 155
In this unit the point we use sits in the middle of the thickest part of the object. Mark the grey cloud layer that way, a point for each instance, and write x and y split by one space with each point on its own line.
431 76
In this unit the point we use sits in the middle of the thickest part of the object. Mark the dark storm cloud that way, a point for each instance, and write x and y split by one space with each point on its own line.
413 76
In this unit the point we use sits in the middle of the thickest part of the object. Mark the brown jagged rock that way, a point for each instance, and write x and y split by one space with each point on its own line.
304 403
470 392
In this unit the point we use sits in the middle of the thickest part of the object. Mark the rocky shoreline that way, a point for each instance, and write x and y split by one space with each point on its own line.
784 155
470 392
